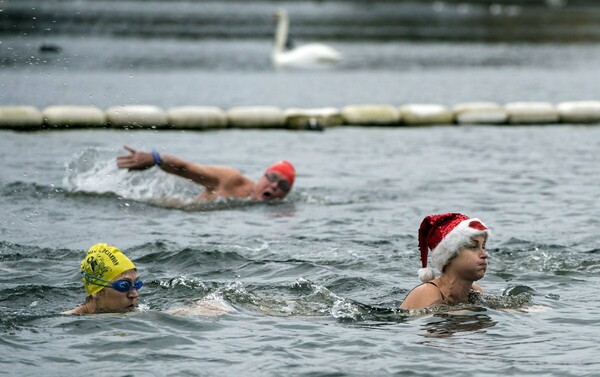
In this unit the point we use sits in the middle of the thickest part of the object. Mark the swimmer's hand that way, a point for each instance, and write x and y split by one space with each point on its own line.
135 160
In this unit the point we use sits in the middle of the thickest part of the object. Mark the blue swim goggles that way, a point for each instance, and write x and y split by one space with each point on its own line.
119 285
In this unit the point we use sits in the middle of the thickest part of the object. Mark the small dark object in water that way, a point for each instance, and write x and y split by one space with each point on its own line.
313 124
513 291
50 48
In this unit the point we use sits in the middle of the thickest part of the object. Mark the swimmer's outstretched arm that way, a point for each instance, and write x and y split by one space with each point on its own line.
206 175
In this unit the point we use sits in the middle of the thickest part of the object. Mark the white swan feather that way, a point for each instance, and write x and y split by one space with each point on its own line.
305 56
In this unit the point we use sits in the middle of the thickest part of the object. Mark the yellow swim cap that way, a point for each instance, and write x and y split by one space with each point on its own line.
105 262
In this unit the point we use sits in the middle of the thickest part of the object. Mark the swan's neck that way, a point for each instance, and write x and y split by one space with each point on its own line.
281 33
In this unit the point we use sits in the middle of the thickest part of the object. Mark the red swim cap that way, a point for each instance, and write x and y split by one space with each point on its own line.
284 168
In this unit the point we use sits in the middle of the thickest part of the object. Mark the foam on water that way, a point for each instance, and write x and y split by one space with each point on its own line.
95 171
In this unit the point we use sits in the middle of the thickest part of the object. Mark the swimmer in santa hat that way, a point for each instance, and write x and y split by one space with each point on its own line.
456 244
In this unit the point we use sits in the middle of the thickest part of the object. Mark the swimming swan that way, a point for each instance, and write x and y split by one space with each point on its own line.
309 55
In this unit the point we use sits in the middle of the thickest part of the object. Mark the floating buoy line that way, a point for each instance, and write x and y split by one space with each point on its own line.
210 117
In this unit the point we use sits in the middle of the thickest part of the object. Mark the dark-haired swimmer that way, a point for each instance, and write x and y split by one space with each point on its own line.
218 181
110 280
457 245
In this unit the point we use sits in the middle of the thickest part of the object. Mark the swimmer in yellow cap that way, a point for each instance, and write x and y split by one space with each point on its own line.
110 280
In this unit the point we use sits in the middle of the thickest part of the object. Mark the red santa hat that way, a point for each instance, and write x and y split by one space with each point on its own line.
445 234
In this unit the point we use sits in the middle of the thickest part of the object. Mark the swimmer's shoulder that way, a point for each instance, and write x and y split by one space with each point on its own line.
422 296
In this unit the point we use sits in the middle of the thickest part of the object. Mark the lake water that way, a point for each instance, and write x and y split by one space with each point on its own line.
315 280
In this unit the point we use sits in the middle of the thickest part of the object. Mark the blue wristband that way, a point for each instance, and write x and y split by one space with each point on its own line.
156 157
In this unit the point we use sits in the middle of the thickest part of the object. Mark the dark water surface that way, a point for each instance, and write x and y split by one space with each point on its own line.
314 279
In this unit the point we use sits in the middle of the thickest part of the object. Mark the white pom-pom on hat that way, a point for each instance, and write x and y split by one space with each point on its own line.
426 274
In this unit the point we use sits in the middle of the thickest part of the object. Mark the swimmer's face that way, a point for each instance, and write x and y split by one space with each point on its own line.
272 185
112 301
471 260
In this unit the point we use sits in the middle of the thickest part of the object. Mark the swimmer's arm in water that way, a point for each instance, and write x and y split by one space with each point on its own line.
422 296
208 176
477 287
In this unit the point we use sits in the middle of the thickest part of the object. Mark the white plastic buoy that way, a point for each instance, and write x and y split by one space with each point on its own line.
479 113
365 115
20 117
143 116
312 119
425 114
74 116
256 116
531 113
197 117
579 111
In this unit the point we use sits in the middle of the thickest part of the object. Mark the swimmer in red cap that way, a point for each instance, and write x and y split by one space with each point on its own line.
218 181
